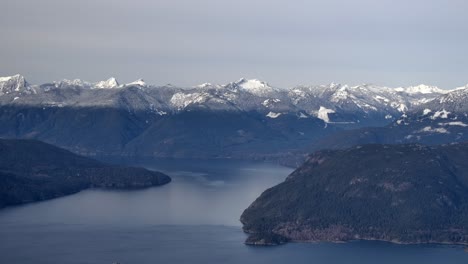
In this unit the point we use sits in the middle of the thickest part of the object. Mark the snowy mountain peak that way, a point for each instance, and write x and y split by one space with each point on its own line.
15 77
345 87
108 84
423 89
323 112
75 82
15 83
254 86
251 84
203 85
208 85
457 98
334 84
139 82
461 88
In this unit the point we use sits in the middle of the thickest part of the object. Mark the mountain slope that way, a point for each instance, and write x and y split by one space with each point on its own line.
440 121
397 193
34 171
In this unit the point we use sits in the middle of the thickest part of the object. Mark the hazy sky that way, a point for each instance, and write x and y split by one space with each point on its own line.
388 42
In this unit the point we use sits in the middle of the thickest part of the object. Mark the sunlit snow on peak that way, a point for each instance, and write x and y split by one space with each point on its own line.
139 82
108 84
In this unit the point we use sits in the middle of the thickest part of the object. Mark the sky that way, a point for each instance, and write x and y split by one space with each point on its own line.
286 43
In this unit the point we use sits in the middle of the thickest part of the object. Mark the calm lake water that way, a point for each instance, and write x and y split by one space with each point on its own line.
194 219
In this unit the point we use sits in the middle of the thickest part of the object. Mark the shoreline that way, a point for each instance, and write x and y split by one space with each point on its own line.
396 242
26 203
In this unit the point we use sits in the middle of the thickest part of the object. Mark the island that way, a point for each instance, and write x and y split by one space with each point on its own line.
396 193
31 171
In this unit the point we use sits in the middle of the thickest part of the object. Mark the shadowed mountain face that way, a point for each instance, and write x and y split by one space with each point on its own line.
33 171
194 134
397 193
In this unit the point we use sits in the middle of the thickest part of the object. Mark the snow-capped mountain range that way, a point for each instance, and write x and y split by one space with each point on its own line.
242 119
333 103
442 120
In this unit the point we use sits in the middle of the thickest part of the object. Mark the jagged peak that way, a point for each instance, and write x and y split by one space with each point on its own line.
16 77
461 88
334 84
139 82
107 84
251 83
207 85
423 89
203 85
74 82
14 83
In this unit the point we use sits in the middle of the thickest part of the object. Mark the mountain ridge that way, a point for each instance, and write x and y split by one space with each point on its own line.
367 99
267 122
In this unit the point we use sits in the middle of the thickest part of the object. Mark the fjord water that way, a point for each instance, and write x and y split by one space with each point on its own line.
194 219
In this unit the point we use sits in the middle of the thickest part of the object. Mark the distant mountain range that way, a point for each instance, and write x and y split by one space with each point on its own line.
332 103
241 119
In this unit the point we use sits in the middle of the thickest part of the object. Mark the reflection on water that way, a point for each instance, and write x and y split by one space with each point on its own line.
194 219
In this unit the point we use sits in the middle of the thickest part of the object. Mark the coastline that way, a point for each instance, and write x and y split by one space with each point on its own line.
249 241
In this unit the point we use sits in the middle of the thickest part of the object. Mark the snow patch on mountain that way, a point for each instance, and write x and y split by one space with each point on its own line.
75 82
15 83
457 96
426 111
430 129
160 112
252 84
270 102
108 84
402 108
323 112
454 123
425 89
182 100
380 98
273 115
139 82
440 114
10 78
342 94
255 87
204 85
